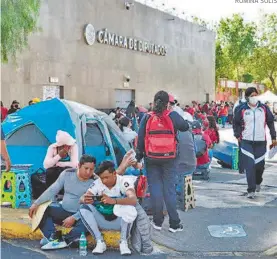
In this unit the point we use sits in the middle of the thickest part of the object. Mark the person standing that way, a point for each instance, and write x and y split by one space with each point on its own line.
14 107
230 113
4 112
158 145
250 120
222 114
4 152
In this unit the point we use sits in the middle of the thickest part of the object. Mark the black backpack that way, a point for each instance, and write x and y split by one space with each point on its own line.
38 181
200 145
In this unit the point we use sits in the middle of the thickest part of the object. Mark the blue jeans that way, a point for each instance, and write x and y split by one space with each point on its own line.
55 214
223 119
205 166
162 180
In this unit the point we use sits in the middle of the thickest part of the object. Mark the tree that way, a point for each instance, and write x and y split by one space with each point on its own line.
236 38
247 78
263 62
18 20
223 65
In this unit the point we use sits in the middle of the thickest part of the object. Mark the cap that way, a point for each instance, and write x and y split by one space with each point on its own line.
36 100
196 125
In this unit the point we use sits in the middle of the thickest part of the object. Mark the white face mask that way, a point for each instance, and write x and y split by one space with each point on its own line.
253 100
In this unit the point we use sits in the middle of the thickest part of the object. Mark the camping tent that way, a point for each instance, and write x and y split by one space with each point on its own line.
31 130
268 97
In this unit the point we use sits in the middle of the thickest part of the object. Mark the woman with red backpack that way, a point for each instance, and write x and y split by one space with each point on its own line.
157 143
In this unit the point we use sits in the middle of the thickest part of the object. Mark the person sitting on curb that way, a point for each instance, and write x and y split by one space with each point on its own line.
75 183
116 209
61 155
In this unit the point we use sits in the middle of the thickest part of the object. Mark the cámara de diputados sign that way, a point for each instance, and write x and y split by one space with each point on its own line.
109 38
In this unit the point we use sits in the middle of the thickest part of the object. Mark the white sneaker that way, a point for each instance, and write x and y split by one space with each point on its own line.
251 195
155 226
178 229
44 241
124 249
100 247
55 244
258 188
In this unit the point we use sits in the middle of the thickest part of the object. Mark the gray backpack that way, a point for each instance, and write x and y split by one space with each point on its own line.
200 145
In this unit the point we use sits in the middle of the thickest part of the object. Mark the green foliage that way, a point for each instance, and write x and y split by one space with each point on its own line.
247 51
18 20
237 38
247 78
263 62
223 64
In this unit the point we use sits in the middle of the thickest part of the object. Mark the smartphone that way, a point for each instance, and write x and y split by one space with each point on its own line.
97 197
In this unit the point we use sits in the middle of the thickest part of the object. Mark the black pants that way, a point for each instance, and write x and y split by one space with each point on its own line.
240 167
230 119
253 162
52 174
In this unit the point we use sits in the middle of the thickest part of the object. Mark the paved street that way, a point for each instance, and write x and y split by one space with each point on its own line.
220 201
30 250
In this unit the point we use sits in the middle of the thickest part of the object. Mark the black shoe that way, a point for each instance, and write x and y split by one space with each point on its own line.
178 229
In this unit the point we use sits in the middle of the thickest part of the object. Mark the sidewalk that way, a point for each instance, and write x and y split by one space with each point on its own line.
15 224
220 202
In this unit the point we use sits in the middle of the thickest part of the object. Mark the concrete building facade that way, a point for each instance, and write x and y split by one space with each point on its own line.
113 70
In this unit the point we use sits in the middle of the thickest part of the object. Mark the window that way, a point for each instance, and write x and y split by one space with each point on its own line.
94 136
28 135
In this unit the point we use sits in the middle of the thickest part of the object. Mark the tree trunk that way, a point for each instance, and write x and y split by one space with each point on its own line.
273 83
238 73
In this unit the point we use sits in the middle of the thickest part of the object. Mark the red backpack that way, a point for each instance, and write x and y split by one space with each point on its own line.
141 185
160 138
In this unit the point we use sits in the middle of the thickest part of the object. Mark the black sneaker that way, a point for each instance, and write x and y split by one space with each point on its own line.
178 229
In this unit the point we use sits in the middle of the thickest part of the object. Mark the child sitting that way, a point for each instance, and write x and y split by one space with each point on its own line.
202 144
211 130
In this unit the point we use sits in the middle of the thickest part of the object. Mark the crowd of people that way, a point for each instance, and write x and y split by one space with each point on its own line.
166 141
15 106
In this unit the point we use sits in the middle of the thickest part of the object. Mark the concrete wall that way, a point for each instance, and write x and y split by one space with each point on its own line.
90 74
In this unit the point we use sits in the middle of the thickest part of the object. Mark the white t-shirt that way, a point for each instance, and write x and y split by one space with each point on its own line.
186 116
129 134
122 185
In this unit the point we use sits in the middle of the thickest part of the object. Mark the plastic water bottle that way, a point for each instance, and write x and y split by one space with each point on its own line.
83 245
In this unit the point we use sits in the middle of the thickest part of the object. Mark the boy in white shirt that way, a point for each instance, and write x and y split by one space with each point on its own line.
110 204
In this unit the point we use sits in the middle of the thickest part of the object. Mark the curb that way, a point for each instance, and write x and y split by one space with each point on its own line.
271 251
15 230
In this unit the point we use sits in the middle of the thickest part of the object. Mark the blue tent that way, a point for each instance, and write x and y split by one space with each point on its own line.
31 130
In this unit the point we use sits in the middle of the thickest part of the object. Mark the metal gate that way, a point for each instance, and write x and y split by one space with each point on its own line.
123 97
